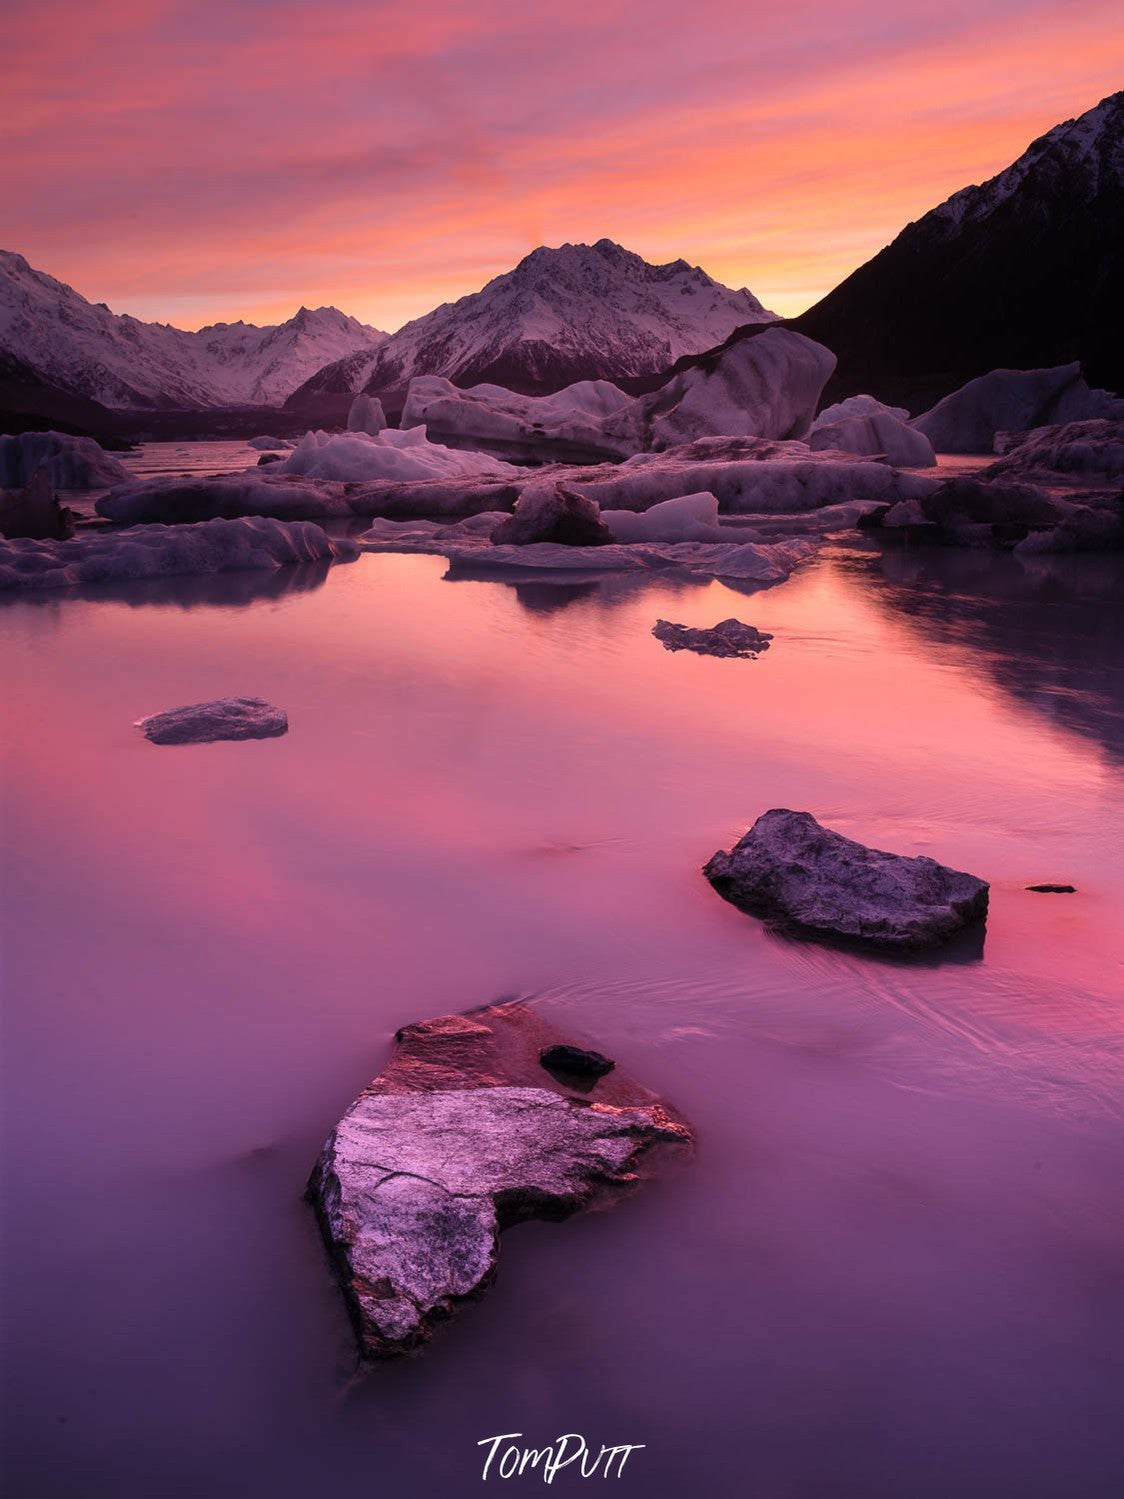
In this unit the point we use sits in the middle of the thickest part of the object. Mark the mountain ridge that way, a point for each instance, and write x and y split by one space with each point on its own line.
571 312
121 362
1022 271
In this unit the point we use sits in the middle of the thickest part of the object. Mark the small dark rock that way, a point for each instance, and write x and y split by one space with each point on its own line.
34 512
1053 889
548 512
574 1059
729 638
271 458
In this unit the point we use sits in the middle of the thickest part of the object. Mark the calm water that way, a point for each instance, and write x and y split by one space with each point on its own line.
897 1266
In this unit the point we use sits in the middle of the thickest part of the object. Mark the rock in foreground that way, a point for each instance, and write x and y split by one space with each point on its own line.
225 718
728 638
461 1135
815 883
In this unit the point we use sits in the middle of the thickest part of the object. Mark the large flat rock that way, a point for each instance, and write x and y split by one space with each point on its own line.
463 1133
816 883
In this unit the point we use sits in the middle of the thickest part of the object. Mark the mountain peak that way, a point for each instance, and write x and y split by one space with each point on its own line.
86 349
564 313
1023 271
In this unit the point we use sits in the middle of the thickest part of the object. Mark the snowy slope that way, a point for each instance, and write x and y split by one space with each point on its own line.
121 362
581 312
1024 271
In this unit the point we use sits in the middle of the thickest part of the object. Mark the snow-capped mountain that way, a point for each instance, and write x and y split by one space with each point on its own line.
1024 271
580 312
121 362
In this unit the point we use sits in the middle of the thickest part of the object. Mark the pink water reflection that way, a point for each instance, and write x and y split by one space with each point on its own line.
208 948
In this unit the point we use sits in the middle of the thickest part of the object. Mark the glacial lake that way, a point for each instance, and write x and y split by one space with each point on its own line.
895 1269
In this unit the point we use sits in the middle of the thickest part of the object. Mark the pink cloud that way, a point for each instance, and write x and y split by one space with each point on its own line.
207 161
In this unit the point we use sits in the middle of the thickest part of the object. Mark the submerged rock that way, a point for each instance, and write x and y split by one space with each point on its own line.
548 512
461 1135
575 1060
728 638
815 883
1053 889
225 718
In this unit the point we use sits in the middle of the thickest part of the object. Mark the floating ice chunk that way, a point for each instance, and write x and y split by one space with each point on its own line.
70 462
857 406
1014 401
269 444
214 546
768 385
351 457
691 517
875 434
170 499
1091 451
366 415
567 423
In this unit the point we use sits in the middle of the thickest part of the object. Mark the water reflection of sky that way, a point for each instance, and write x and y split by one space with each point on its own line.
891 1269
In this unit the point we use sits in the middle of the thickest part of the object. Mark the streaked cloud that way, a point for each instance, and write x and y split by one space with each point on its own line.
207 161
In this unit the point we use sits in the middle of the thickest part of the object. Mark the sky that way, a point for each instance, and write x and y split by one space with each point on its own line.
190 163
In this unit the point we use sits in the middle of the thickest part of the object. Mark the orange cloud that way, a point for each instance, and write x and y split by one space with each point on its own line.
191 163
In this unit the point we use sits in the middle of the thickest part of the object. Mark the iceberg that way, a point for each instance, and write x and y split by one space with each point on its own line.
1090 452
968 420
400 454
875 434
69 462
366 415
567 425
214 546
767 385
691 517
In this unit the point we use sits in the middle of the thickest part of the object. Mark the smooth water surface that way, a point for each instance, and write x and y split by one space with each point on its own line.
896 1267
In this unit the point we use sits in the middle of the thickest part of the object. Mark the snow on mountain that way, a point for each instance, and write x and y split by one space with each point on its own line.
1023 271
580 312
122 362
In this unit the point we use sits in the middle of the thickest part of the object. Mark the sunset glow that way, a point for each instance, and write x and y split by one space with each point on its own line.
196 163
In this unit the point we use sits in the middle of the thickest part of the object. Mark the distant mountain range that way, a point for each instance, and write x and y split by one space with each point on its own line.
118 361
579 312
1024 271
